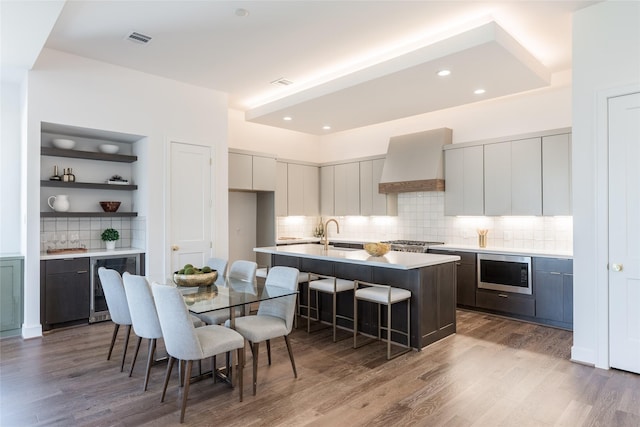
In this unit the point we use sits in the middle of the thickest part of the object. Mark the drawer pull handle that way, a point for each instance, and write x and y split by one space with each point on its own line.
555 272
503 295
83 271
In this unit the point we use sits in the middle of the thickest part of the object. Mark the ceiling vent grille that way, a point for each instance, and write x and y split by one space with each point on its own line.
282 82
138 37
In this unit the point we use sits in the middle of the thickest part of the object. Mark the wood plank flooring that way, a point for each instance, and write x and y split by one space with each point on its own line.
493 372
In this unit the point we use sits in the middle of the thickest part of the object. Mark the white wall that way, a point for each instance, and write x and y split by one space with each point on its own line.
10 159
72 90
606 57
285 144
538 110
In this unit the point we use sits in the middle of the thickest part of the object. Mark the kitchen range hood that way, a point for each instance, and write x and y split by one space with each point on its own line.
415 162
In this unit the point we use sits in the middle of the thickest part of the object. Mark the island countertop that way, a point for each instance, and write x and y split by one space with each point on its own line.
397 260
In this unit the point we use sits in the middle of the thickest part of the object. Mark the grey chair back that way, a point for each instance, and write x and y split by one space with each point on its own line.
141 306
179 334
113 289
284 307
243 270
218 264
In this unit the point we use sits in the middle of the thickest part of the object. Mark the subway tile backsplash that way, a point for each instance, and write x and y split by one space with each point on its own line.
421 217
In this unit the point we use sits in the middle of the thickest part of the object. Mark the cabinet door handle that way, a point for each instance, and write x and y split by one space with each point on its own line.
554 272
83 271
503 295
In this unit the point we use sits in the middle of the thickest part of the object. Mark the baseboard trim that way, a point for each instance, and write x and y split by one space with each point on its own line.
29 332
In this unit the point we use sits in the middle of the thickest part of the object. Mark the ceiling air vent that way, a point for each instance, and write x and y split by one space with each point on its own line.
138 38
282 82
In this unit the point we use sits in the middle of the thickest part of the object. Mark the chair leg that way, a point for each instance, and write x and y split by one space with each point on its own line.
255 347
170 363
269 351
135 355
126 344
152 350
240 369
293 363
185 393
116 327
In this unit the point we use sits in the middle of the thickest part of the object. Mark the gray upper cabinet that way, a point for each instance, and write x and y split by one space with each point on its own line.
249 172
464 181
327 206
281 195
372 202
303 190
513 177
347 189
556 175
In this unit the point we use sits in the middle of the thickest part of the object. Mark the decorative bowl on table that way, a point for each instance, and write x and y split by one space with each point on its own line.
66 144
376 249
191 280
110 206
108 148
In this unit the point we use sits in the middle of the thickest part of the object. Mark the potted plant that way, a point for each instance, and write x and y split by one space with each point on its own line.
110 235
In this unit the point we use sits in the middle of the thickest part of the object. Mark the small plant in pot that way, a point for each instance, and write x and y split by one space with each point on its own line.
110 236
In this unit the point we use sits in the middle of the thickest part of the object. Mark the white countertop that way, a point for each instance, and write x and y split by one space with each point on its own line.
398 260
92 253
511 251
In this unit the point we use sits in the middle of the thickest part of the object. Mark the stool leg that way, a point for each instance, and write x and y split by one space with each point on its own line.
334 316
389 332
355 320
308 309
379 322
409 323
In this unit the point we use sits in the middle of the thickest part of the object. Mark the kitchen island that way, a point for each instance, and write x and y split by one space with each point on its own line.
431 279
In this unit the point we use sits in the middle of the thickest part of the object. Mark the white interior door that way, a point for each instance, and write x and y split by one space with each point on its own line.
624 232
190 205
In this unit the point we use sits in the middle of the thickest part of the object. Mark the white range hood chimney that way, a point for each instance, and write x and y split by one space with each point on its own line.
414 162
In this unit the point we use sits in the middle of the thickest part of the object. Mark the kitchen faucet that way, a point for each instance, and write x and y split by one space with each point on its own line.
326 234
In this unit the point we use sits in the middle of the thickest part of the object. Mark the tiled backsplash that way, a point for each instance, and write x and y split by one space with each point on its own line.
421 217
60 233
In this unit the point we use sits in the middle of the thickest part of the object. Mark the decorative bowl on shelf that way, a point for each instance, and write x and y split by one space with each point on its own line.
108 148
110 206
376 249
66 144
202 279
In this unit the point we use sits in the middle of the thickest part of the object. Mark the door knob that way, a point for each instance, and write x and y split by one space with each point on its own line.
616 267
175 248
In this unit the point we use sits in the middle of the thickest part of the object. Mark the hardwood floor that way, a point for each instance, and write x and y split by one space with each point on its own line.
493 372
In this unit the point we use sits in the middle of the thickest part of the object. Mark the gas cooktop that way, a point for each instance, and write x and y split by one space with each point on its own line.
411 245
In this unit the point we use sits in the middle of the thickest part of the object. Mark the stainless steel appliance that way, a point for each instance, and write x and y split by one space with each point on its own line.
411 245
507 273
98 310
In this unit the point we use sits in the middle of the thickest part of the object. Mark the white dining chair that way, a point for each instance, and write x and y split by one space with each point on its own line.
240 270
116 298
144 318
186 343
274 318
218 264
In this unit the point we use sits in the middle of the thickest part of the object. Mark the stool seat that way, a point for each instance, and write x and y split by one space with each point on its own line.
302 276
382 295
326 285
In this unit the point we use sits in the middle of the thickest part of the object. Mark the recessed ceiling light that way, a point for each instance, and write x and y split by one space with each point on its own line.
479 91
326 127
242 12
443 73
287 118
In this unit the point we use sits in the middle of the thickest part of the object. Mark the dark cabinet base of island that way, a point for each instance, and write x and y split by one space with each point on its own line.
433 296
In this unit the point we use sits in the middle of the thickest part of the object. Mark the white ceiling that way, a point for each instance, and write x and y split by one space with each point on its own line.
352 63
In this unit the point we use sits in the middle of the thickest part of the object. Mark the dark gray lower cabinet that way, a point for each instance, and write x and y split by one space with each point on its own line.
506 302
553 290
466 273
65 291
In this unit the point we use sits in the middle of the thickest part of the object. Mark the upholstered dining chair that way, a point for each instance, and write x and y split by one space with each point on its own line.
241 270
218 264
274 318
113 289
144 318
186 343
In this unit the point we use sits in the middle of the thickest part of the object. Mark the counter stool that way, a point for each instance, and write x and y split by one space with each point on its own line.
328 285
382 295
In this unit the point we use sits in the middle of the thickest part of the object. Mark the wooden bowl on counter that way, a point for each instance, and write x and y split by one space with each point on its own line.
377 249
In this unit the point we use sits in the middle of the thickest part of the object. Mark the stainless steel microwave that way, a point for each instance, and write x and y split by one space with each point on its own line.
507 273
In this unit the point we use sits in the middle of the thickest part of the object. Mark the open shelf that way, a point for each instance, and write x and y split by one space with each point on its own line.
87 214
90 155
89 185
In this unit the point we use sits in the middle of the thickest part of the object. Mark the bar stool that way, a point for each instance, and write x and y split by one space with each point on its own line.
328 285
382 295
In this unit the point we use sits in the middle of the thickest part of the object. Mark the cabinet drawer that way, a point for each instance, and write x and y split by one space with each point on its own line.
556 265
73 265
505 302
